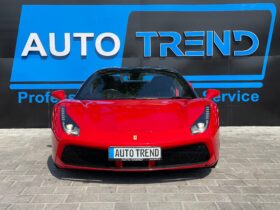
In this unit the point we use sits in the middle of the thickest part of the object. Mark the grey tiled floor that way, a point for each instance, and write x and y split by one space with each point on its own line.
247 177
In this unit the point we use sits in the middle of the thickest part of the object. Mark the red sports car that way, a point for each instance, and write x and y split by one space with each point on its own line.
138 119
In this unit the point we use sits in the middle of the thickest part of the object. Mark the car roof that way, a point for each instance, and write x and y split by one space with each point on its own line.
139 69
136 69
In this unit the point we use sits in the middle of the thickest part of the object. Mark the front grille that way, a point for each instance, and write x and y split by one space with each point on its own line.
192 154
96 158
83 156
135 164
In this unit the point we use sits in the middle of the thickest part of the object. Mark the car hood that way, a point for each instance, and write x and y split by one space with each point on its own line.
136 115
123 119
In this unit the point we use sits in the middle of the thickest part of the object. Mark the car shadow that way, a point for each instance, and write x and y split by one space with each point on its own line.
126 177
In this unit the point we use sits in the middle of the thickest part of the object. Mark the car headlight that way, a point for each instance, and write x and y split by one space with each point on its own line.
69 126
201 124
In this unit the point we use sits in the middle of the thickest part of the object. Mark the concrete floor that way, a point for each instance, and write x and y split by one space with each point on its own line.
247 177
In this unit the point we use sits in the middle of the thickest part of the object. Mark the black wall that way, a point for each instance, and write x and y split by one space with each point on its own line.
265 111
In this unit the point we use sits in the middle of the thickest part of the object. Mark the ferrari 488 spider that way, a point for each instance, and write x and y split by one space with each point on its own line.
137 119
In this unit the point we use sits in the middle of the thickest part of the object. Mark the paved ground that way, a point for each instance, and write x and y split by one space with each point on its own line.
247 177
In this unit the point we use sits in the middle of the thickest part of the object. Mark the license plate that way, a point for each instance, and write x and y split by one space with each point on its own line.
134 153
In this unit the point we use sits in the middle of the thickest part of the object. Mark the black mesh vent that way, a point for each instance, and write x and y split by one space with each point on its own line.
135 164
83 156
186 155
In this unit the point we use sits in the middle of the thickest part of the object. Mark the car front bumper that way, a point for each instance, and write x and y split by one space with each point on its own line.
197 153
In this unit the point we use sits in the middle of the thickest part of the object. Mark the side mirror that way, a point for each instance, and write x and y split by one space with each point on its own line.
58 94
212 93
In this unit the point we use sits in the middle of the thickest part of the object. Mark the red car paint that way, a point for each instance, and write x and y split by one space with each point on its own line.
164 123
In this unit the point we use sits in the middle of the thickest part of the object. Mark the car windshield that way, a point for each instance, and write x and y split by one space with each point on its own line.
131 84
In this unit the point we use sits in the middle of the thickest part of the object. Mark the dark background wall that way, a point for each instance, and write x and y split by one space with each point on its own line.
265 111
